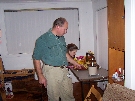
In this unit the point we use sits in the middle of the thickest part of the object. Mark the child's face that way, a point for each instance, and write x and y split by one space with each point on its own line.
73 53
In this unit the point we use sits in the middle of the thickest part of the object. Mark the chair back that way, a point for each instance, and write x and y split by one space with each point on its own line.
95 92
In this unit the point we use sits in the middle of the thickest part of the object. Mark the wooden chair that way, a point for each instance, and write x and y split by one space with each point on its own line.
94 91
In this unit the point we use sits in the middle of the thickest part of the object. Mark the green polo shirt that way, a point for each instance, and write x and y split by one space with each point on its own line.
50 49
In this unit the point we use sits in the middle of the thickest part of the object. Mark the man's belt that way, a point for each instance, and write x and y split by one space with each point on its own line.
62 67
57 66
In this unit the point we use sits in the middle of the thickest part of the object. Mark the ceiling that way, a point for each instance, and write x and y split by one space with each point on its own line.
24 1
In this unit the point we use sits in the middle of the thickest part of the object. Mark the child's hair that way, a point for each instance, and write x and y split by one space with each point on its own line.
71 47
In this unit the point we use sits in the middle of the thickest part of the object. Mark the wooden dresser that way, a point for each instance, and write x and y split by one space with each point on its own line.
1 71
2 90
111 80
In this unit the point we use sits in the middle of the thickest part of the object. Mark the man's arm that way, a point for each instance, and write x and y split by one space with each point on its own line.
72 61
37 65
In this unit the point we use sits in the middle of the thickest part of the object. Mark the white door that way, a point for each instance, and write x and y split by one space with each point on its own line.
102 38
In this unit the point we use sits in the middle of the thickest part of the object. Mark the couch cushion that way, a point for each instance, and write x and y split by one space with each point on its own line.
117 92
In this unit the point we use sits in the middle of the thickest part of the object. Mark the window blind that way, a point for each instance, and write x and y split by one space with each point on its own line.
23 27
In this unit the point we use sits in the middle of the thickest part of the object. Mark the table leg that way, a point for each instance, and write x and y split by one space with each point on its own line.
82 91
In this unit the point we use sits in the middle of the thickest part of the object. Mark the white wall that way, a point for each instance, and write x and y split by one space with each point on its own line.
130 43
100 54
96 5
25 60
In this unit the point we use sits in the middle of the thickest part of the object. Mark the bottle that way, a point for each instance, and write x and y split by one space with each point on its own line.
116 75
87 57
92 64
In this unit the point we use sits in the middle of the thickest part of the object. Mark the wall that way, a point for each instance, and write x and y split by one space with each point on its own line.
96 5
130 44
25 60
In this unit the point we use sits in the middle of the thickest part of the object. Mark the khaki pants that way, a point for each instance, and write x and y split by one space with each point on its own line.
58 84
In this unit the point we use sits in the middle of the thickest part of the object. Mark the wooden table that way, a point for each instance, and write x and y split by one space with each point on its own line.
83 76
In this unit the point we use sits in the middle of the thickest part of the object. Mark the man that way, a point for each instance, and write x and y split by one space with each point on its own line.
50 48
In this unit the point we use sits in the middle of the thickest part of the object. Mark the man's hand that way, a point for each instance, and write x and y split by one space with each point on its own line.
42 80
72 61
